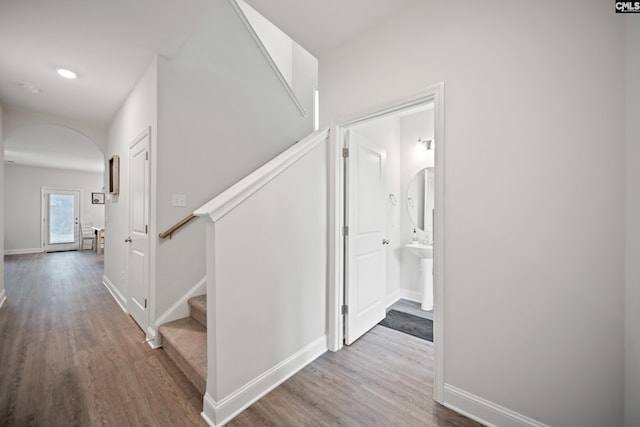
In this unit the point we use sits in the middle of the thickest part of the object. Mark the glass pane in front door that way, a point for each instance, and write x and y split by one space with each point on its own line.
61 218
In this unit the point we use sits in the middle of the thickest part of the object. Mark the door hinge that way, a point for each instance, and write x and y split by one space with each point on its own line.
146 155
344 310
345 230
146 229
145 303
345 152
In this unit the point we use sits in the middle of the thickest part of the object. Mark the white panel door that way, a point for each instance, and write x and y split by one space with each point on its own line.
366 241
139 231
61 226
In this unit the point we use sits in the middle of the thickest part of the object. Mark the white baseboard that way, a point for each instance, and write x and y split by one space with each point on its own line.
392 298
153 339
117 295
217 414
484 411
3 297
23 251
402 294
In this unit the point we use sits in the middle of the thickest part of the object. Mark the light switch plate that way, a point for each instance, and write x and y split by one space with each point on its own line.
179 200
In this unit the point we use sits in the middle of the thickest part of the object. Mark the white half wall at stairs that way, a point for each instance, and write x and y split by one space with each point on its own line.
244 397
266 277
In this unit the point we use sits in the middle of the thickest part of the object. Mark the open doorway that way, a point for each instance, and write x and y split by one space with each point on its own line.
57 158
376 179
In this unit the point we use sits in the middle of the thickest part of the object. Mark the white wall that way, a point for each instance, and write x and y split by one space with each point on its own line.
267 285
632 295
2 291
222 113
534 183
279 45
278 305
137 113
23 201
305 79
298 67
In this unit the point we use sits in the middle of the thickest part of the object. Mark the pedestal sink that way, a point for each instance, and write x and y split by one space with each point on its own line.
425 253
420 250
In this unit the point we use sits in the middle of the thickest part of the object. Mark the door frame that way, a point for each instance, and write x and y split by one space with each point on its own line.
44 208
335 334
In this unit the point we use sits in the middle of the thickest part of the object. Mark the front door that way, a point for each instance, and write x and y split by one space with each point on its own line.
60 213
366 239
139 231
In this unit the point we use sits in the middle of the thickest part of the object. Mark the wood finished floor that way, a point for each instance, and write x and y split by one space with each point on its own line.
69 356
384 379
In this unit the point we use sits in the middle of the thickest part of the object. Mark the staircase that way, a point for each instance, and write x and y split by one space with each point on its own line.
185 341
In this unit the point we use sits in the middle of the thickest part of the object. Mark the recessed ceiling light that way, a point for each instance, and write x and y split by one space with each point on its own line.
67 74
30 88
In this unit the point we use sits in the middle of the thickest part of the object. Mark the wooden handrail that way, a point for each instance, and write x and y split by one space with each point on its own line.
175 228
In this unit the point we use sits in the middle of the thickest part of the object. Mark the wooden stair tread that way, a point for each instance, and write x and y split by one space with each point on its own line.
185 341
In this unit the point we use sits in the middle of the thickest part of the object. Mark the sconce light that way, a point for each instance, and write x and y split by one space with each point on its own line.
424 145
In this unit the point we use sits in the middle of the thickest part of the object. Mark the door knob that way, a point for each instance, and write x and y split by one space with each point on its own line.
385 241
127 240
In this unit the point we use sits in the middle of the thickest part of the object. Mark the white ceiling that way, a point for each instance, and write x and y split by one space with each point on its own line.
110 43
107 43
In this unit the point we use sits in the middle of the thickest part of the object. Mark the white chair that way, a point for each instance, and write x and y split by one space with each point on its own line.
86 233
99 240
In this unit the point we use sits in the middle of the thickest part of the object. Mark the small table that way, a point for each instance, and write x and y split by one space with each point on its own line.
98 238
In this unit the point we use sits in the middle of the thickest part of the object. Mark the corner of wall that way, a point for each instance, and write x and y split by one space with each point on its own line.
138 112
632 229
2 291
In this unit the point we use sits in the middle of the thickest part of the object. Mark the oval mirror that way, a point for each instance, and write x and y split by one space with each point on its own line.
420 199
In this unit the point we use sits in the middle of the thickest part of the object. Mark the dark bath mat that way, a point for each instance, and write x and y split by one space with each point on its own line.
409 324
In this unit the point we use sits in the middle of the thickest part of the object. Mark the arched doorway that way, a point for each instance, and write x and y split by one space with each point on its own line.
51 172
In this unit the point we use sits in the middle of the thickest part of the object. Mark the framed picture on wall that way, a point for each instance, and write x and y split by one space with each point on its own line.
97 198
114 175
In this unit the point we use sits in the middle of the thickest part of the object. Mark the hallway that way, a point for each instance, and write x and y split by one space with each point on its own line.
70 356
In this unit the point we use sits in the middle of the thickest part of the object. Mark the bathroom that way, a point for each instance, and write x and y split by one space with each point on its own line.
407 137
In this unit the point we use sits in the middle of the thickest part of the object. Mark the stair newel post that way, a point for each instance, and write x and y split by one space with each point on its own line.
211 396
